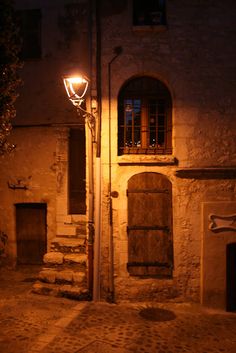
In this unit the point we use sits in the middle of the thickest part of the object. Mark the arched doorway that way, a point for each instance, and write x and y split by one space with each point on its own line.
150 245
231 277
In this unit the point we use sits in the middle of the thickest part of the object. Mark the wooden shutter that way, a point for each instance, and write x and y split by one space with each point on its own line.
149 225
77 160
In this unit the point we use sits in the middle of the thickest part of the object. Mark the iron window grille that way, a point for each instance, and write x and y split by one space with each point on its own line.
144 118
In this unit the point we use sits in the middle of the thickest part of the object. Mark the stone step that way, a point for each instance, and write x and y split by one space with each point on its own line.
61 290
68 245
72 230
76 236
56 258
63 276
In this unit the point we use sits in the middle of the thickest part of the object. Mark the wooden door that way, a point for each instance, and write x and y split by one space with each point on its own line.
150 225
31 232
231 277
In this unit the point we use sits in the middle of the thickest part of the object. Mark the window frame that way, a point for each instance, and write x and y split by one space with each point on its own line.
145 127
149 13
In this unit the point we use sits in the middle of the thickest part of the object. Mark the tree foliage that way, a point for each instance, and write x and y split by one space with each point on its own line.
9 66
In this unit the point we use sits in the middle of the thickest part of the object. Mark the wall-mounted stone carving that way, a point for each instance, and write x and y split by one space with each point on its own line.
220 223
19 183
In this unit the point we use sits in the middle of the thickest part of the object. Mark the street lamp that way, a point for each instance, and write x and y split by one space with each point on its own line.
76 88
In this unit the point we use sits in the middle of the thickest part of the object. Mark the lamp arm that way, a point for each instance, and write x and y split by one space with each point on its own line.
90 120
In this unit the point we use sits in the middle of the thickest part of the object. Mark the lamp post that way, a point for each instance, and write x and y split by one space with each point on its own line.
76 88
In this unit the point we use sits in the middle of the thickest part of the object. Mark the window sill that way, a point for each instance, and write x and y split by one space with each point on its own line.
150 28
157 160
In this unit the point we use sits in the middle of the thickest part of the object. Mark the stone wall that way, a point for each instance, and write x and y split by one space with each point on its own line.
195 57
28 175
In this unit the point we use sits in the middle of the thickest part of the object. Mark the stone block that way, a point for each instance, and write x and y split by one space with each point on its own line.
65 276
69 230
74 292
79 277
76 258
47 276
45 289
53 258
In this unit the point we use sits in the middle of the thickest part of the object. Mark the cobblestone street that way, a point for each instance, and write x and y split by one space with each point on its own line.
31 323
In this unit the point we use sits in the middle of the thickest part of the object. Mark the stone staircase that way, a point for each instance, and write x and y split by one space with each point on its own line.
64 272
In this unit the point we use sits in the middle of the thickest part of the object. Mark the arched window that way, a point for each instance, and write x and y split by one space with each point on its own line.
144 117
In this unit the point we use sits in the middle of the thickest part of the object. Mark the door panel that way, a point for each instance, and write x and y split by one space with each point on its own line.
30 233
149 225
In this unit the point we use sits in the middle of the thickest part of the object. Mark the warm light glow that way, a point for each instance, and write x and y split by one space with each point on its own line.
76 88
77 80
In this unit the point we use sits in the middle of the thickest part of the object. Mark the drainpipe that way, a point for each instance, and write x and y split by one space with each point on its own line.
117 51
90 211
97 238
91 138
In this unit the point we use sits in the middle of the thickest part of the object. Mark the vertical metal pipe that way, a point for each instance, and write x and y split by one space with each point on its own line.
90 209
90 161
97 238
118 51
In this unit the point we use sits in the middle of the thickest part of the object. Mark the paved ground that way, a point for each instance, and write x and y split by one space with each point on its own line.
30 323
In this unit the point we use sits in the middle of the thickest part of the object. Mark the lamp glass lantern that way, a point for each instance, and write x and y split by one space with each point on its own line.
76 88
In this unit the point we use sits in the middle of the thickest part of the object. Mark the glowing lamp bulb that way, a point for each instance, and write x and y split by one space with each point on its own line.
76 88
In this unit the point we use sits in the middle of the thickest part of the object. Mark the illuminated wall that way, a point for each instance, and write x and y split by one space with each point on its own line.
192 52
189 58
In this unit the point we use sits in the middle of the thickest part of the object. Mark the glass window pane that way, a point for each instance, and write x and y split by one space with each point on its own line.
137 139
152 137
128 118
128 104
128 137
161 121
137 111
161 107
161 138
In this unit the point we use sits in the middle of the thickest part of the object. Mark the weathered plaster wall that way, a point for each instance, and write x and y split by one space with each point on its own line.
44 116
33 164
65 41
195 58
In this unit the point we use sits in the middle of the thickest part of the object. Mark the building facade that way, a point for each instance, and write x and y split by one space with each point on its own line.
157 205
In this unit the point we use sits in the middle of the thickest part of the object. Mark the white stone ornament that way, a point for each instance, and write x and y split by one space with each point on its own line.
220 223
